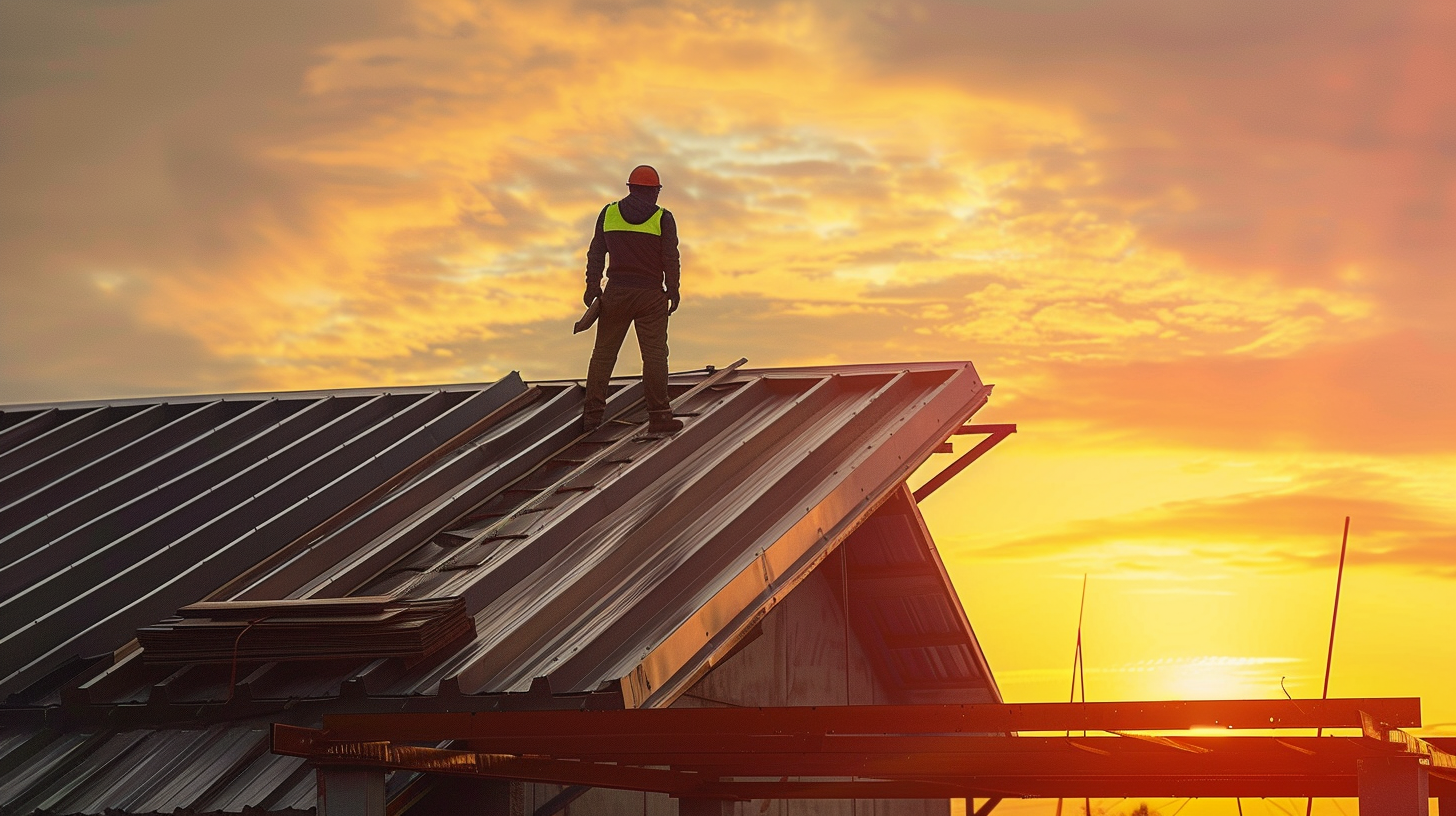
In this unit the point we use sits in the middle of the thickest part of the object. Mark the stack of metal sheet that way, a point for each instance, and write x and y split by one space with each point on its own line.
360 627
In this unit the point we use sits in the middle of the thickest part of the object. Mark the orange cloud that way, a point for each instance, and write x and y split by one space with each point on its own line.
1392 394
1293 528
1307 141
429 193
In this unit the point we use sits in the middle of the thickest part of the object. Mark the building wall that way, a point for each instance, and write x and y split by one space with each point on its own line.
798 659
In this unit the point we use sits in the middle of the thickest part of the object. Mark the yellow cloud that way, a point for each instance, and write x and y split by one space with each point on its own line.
468 153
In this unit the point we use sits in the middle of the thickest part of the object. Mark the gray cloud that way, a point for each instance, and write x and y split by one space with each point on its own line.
133 141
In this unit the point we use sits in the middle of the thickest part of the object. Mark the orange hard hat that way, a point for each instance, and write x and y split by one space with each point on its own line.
644 175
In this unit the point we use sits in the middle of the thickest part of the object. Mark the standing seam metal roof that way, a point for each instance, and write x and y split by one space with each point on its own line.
612 569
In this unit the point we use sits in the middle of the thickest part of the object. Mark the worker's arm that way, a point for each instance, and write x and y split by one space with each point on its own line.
596 261
671 262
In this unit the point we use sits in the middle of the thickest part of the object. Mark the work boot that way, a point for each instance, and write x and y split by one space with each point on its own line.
661 422
589 424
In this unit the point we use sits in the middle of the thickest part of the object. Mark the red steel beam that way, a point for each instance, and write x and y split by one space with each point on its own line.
314 745
1270 786
997 433
928 751
917 756
1398 712
1007 766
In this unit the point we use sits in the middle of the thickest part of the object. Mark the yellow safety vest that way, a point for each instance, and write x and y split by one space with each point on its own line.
614 222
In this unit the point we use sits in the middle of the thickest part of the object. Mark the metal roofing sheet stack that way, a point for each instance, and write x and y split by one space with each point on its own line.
366 627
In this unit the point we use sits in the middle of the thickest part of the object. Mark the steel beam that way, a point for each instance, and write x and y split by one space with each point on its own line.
1400 712
981 757
1043 774
997 433
911 751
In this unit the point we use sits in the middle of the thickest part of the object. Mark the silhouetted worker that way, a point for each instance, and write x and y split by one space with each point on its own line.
642 288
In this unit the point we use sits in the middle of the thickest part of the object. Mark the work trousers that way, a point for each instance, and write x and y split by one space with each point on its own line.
621 306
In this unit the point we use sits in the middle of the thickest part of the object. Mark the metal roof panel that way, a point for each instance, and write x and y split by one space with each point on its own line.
617 566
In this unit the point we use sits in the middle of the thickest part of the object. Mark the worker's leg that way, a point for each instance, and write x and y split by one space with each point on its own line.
651 320
611 331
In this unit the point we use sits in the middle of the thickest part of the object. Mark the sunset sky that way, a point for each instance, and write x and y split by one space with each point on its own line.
1206 251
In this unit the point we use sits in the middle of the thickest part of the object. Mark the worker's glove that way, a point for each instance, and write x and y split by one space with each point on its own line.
673 299
592 293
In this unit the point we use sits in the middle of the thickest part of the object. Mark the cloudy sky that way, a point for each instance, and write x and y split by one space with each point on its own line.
1205 250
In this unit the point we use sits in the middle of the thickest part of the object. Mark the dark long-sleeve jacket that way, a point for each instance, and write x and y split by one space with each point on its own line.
638 260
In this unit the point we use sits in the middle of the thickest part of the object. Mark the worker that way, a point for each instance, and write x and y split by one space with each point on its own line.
642 289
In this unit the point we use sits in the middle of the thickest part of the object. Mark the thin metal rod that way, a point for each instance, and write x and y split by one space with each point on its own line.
990 805
1335 617
1082 673
1330 654
997 433
1076 665
1077 656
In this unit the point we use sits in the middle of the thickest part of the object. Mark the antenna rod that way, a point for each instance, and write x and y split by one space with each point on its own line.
1330 655
1077 655
1082 673
1078 672
1339 579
